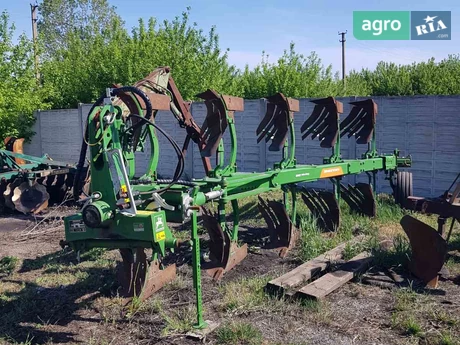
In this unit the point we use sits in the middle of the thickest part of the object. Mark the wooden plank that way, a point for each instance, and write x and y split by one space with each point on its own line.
308 269
305 271
333 280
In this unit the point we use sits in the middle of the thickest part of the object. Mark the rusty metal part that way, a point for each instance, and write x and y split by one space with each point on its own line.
139 278
360 198
224 253
323 123
429 249
161 99
217 236
275 124
283 234
445 206
361 121
57 186
9 192
324 207
234 254
14 144
30 198
216 122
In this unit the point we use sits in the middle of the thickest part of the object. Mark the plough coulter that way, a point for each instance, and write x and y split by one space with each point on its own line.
131 214
29 184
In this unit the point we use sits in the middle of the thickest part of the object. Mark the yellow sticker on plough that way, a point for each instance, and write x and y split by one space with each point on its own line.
160 236
331 172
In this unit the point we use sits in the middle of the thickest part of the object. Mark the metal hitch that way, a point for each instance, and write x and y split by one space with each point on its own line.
283 234
139 278
323 122
429 250
225 254
324 207
360 198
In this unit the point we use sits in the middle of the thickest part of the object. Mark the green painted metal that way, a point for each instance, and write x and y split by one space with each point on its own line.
221 169
196 264
131 217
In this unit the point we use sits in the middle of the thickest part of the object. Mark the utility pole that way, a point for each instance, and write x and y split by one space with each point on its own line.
343 54
33 12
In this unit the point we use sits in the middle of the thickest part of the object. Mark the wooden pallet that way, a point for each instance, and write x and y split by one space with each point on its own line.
295 282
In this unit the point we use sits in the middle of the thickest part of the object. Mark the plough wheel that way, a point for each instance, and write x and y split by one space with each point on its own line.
429 250
324 207
224 253
283 234
139 278
403 188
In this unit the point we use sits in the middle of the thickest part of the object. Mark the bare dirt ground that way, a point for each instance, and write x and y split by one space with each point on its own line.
50 298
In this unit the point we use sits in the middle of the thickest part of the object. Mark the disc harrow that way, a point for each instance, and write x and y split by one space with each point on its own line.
30 184
131 213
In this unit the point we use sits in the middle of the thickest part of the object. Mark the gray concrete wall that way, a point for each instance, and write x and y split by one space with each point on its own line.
426 127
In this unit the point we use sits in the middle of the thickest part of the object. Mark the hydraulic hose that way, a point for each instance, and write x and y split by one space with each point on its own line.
84 145
180 182
180 156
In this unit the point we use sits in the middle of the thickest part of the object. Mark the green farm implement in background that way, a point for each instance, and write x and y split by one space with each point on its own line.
29 184
130 213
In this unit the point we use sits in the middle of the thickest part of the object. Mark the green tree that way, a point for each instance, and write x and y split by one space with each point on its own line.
20 94
293 74
60 19
82 70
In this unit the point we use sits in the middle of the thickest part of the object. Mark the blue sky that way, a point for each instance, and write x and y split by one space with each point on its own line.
252 26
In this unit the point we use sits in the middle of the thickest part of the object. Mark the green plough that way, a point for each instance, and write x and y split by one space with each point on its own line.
131 214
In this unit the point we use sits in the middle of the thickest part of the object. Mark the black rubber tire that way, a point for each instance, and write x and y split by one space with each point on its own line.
403 188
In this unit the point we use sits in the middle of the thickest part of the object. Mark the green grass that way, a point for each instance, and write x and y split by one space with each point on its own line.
412 326
314 242
60 287
446 338
239 333
398 254
8 264
244 294
178 321
11 341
